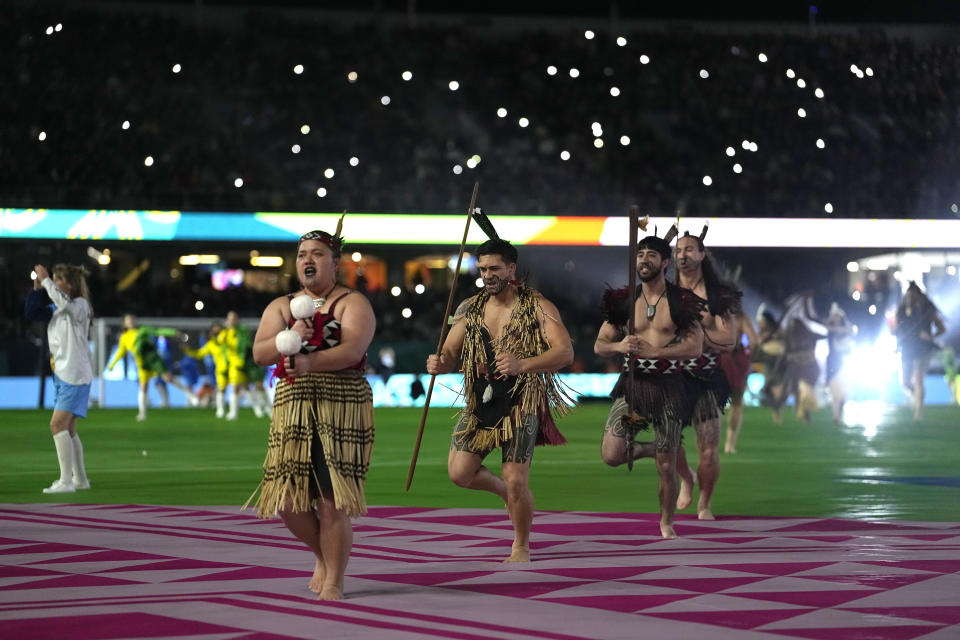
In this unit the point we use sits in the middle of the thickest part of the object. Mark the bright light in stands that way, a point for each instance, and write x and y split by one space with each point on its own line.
802 112
745 145
471 163
951 270
176 68
406 313
298 69
588 34
853 266
42 136
49 31
624 140
419 289
791 74
457 169
385 100
198 305
478 282
352 77
614 91
860 74
707 181
59 27
354 161
818 92
238 183
501 113
735 50
737 168
868 71
704 74
753 147
356 256
801 83
828 208
454 85
598 143
621 41
551 70
731 152
855 295
954 208
295 148
322 192
565 155
125 125
407 76
644 59
148 161
395 291
820 143
523 122
328 173
305 129
103 259
574 72
476 158
762 57
872 309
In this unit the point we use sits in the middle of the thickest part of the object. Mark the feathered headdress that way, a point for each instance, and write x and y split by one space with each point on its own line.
484 223
334 241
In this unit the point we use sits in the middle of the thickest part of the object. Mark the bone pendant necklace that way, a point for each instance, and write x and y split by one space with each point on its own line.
651 308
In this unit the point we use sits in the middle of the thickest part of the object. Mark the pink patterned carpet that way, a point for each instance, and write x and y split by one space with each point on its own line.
133 571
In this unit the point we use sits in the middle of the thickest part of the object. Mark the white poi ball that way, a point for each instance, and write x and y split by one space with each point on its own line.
288 342
302 306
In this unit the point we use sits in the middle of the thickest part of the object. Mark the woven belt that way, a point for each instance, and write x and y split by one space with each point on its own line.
705 362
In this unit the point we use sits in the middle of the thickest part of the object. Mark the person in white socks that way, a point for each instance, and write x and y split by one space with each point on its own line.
68 332
238 342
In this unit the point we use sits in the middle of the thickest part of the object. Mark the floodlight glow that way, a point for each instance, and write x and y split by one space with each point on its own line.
802 112
828 208
854 68
395 291
352 77
818 92
354 161
295 148
564 155
621 41
49 31
753 147
195 259
853 266
407 76
176 68
523 122
801 83
322 192
148 161
856 295
707 181
406 312
198 305
704 74
762 57
598 143
125 125
791 74
501 113
356 256
954 207
471 163
551 70
305 129
266 261
385 100
737 168
574 72
820 143
588 34
476 158
478 282
457 169
328 173
868 71
625 140
951 270
860 74
454 85
731 152
103 259
872 309
644 59
42 136
614 91
238 183
745 145
419 289
298 69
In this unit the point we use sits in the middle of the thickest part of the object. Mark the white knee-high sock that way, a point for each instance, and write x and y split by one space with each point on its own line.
235 402
142 402
79 470
221 402
64 455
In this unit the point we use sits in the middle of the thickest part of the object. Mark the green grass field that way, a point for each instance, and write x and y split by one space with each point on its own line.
905 471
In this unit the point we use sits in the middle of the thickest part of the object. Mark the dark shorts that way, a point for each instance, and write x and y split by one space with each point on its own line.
320 480
518 448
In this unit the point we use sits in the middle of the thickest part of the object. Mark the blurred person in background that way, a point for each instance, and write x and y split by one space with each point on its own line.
840 341
215 349
244 376
917 324
736 365
70 316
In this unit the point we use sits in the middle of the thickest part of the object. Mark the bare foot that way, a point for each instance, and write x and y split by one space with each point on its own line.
316 581
519 553
330 592
705 514
666 530
729 448
777 418
685 496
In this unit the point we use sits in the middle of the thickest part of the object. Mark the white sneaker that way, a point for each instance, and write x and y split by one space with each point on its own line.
81 484
60 487
219 413
257 411
193 400
141 417
231 416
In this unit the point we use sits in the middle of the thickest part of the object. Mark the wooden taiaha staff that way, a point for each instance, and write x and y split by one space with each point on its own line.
443 334
632 321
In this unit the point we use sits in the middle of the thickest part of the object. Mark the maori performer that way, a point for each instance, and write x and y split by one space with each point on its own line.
840 341
710 388
801 329
321 433
666 332
511 341
736 365
918 323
